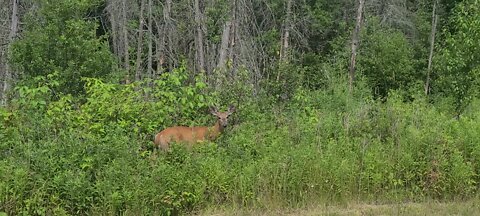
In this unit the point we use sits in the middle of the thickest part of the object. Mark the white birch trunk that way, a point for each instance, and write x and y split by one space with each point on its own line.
199 41
432 45
355 40
138 63
11 36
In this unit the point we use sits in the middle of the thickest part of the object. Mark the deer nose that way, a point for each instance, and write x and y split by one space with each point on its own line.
224 124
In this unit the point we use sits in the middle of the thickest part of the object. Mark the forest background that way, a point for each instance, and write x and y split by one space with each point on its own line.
371 100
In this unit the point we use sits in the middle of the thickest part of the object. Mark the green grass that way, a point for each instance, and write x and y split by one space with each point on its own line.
471 207
314 154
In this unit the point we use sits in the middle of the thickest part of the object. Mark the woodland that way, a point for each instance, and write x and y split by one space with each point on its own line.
336 101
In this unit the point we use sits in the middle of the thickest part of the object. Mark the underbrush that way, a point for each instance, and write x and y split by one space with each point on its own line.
321 146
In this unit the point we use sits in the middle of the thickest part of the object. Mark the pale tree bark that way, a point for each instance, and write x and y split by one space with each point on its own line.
113 15
169 30
284 49
233 33
125 41
118 16
11 36
432 45
223 52
138 63
113 23
224 45
355 41
5 13
226 52
199 40
164 41
150 42
227 43
160 43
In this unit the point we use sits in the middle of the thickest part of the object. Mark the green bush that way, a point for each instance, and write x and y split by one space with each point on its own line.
386 60
87 156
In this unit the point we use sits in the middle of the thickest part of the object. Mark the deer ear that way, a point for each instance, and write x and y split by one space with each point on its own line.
231 109
213 110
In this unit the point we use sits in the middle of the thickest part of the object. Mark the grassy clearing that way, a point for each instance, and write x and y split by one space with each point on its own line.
471 207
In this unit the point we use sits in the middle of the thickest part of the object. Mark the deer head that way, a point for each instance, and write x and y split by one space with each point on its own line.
222 116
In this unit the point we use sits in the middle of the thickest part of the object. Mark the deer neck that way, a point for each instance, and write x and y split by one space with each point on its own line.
215 130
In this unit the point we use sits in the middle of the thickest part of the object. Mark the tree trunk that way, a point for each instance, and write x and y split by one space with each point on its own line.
233 33
164 42
160 46
432 44
138 63
222 53
11 36
125 41
355 36
224 45
150 42
286 33
200 54
169 45
114 24
284 49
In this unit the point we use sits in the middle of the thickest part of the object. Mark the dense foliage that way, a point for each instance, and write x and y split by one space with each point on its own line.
324 145
76 131
63 44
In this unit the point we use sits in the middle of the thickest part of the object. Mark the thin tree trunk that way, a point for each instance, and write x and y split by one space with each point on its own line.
355 36
11 36
113 23
221 65
432 44
286 35
169 42
233 33
125 41
284 49
224 45
159 47
138 63
200 54
150 42
116 22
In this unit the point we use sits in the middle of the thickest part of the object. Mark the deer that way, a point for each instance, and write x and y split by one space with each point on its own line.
193 135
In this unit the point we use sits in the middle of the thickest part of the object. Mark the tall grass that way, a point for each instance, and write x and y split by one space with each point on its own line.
321 146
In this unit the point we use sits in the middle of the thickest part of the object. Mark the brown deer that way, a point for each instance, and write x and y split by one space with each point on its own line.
192 135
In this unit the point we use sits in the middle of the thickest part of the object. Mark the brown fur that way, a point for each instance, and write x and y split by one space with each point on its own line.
192 135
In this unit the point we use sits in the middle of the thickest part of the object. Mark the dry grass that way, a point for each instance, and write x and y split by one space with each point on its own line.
429 208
